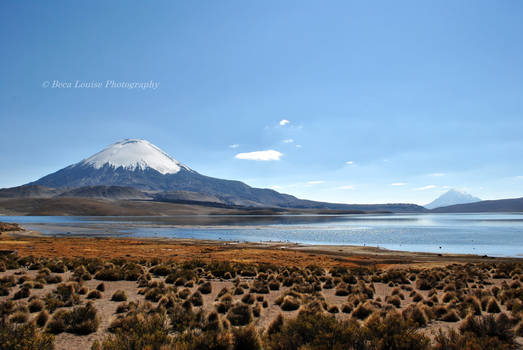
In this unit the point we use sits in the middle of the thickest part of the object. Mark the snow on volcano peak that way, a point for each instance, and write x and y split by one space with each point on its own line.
452 197
132 154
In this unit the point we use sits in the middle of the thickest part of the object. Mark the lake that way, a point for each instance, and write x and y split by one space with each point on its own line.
484 234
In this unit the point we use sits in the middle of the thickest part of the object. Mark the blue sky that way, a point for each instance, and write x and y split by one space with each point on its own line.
387 101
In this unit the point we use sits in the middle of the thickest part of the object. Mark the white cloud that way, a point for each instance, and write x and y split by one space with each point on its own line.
315 182
298 146
398 184
260 155
437 174
428 187
284 122
234 145
346 187
275 187
350 162
288 141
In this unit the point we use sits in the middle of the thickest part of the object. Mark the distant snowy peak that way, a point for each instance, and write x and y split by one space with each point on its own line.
452 197
133 154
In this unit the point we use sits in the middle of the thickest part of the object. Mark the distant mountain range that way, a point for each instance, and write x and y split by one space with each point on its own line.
452 197
499 205
135 169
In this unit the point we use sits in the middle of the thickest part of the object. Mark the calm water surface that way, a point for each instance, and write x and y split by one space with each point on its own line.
490 234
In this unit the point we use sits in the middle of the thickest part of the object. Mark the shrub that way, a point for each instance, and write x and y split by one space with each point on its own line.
211 340
42 318
290 303
450 316
22 293
101 287
342 292
256 310
154 294
57 324
311 330
518 330
53 279
225 304
81 273
196 299
259 287
81 320
222 292
415 315
20 317
452 340
246 338
346 308
489 326
109 274
184 318
274 285
493 307
119 295
160 270
472 304
240 314
205 288
184 293
393 332
333 309
4 291
362 311
423 284
36 305
142 331
248 299
394 300
124 307
275 326
23 337
94 294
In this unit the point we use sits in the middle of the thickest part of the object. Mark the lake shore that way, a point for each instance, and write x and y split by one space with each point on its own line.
33 243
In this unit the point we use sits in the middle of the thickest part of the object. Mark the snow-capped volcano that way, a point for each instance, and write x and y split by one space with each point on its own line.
141 165
452 197
132 154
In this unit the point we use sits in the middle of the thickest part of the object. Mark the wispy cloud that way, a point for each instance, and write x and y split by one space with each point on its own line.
437 174
284 122
346 187
317 182
275 187
234 145
260 155
288 141
298 146
398 184
428 187
349 162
